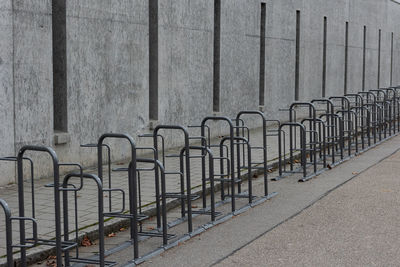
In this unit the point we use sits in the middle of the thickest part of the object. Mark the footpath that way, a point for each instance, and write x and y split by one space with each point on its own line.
219 244
347 216
88 197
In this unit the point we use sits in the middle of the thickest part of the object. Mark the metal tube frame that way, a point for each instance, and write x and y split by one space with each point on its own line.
231 151
132 185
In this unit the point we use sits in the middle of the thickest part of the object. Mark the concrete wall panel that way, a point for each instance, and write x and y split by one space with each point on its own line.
185 62
33 78
6 92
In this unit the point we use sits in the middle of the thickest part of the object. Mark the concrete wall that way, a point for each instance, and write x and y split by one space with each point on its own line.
6 89
107 73
185 61
280 55
108 65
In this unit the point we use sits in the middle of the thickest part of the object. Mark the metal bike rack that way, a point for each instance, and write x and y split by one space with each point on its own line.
381 99
161 208
9 247
370 103
159 168
242 131
60 246
312 116
264 163
31 165
180 195
357 104
319 139
232 180
332 125
66 187
141 216
353 130
335 139
133 215
238 140
397 101
9 242
327 128
364 124
205 210
302 150
134 186
344 109
394 108
31 242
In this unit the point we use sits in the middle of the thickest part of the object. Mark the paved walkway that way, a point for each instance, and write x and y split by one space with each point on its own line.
348 217
87 198
292 198
356 225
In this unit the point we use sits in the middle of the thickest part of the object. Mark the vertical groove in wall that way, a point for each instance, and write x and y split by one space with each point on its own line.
346 56
324 58
297 67
59 31
364 53
217 55
379 57
391 59
262 55
153 59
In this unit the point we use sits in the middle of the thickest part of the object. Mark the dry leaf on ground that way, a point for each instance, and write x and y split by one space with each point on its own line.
51 261
111 235
86 242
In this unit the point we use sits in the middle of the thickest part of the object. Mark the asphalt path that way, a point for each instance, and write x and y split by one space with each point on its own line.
357 224
347 216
